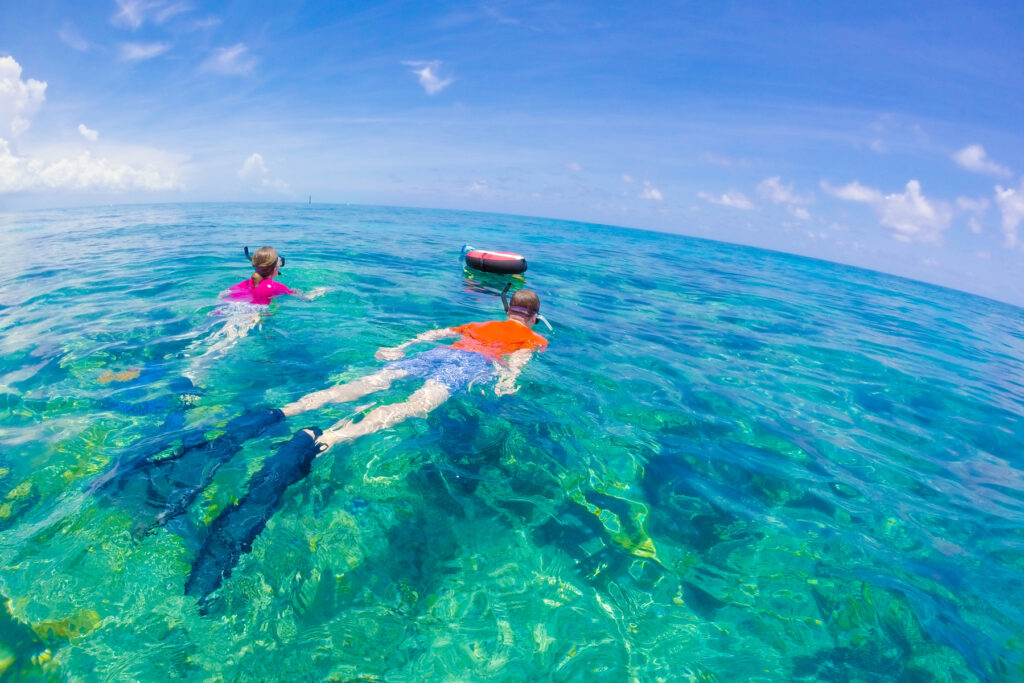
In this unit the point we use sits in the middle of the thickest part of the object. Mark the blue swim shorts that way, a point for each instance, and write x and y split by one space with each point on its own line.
454 368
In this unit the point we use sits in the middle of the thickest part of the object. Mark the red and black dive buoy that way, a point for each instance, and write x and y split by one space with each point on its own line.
502 262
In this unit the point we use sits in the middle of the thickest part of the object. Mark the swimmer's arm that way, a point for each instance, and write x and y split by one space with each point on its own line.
396 352
314 293
509 371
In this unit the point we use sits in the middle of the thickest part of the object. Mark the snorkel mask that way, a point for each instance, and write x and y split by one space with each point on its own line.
519 309
280 259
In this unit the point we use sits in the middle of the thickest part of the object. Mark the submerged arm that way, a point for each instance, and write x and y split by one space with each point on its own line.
314 293
396 352
509 372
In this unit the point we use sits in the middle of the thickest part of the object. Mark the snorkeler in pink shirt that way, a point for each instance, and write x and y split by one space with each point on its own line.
261 286
246 307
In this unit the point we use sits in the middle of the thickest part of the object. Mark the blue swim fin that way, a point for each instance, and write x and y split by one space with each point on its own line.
233 532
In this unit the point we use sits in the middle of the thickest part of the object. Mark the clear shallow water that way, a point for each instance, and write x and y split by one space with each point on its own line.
730 465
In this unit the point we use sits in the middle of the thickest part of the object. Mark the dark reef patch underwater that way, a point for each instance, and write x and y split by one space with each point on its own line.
729 465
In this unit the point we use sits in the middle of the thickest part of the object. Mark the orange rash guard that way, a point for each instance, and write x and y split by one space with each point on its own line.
498 338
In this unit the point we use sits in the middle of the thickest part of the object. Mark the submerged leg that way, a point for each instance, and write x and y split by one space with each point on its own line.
233 532
349 391
423 400
173 482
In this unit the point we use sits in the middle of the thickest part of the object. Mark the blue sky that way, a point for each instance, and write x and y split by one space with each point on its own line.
886 136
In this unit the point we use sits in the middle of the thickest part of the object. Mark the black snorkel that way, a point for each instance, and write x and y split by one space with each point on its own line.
249 256
504 297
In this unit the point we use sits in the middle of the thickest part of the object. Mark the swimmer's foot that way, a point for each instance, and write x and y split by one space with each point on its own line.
340 431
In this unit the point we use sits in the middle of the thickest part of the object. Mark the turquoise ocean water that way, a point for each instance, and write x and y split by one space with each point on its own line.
730 465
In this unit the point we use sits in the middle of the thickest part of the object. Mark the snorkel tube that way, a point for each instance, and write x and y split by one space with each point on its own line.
249 256
504 302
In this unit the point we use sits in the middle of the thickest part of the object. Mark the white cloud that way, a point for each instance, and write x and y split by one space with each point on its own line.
429 78
973 158
650 192
910 215
137 52
254 171
19 100
72 38
626 178
253 167
19 174
853 192
88 133
878 147
800 212
773 190
1011 203
732 198
230 61
574 166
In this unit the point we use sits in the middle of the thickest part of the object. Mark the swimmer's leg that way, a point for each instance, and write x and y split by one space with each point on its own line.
423 400
344 392
174 481
233 532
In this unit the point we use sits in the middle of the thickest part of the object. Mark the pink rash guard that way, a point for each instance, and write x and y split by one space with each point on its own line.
258 294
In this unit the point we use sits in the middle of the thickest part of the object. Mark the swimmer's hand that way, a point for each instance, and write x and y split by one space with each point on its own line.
505 386
508 372
389 353
316 293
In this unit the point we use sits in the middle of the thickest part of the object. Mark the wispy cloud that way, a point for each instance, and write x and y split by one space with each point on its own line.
626 178
72 38
429 77
168 11
574 166
1011 204
137 52
134 13
19 100
254 172
724 161
732 198
973 158
230 61
206 23
650 192
88 133
976 208
774 191
910 215
131 13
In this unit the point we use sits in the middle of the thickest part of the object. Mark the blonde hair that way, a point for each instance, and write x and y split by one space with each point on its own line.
264 261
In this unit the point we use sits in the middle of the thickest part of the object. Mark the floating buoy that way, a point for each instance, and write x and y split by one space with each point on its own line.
502 262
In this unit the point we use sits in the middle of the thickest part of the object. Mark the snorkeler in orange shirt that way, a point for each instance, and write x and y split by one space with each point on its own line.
496 349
